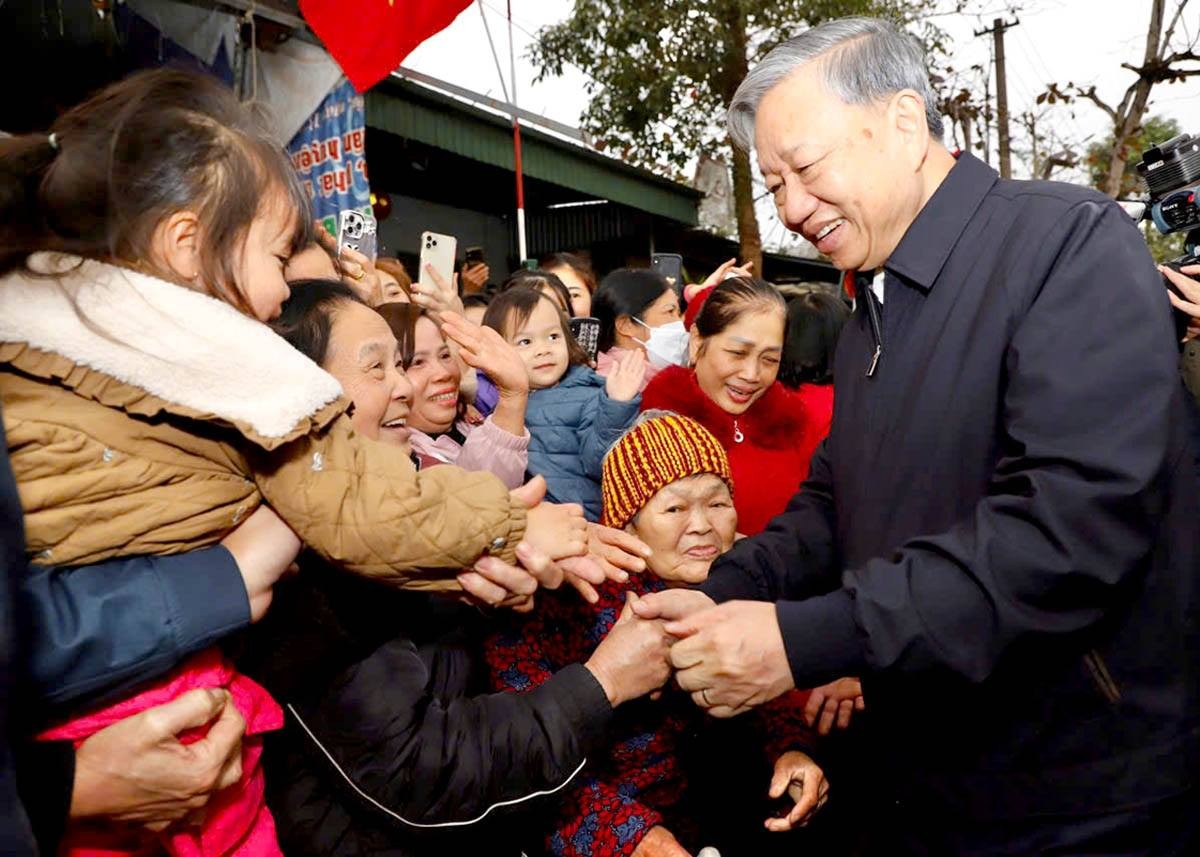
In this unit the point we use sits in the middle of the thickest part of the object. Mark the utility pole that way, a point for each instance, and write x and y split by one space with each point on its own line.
999 26
987 120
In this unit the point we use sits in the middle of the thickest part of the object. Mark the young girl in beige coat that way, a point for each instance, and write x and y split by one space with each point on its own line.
148 409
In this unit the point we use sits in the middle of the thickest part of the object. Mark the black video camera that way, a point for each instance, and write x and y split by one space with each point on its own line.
1171 171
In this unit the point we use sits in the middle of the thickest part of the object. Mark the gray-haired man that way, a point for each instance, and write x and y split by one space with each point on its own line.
1002 532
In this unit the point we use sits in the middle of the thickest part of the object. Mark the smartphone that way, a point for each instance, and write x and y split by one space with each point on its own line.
439 251
357 231
473 256
670 266
586 331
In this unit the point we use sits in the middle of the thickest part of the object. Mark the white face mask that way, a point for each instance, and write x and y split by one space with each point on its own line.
667 345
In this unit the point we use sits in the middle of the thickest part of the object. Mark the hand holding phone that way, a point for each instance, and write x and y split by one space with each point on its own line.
357 231
437 251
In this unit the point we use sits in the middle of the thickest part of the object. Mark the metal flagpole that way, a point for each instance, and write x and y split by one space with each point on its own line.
512 103
512 77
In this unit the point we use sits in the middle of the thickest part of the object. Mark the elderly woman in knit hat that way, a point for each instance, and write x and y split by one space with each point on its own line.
666 481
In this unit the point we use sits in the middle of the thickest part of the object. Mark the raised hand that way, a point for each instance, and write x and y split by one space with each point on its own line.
486 350
626 380
475 277
617 552
805 784
559 530
727 269
442 298
358 272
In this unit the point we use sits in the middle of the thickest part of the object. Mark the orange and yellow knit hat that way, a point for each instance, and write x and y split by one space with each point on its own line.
650 457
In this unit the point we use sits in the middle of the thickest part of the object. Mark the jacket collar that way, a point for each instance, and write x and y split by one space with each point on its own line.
189 350
580 376
775 421
925 247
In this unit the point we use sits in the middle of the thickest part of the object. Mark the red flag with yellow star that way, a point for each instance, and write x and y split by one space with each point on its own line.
370 38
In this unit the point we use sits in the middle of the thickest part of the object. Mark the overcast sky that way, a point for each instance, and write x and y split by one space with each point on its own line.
1084 41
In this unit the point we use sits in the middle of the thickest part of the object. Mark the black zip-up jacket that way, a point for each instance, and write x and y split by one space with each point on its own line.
1002 531
393 744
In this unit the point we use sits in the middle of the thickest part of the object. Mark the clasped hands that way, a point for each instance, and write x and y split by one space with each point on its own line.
730 657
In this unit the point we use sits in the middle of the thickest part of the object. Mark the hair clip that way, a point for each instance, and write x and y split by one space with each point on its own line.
53 141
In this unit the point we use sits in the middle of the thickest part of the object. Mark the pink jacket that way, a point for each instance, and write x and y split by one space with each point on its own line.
488 448
606 362
237 821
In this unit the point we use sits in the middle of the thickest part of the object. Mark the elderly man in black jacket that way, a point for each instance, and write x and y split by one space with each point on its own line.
1002 532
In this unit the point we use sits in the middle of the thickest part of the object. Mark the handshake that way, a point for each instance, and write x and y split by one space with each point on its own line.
729 657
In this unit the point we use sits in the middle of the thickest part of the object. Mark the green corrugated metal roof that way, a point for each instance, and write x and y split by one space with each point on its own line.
420 114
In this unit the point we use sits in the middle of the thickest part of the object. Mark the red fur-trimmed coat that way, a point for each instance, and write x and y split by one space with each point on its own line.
778 435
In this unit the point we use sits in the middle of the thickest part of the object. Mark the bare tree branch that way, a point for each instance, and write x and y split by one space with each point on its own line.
1090 95
1166 40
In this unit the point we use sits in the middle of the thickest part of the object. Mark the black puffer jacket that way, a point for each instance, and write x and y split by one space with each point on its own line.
392 746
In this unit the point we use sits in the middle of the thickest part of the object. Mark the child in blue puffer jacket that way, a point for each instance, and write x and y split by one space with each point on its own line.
573 414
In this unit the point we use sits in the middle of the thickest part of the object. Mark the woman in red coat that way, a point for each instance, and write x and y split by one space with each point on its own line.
731 389
814 322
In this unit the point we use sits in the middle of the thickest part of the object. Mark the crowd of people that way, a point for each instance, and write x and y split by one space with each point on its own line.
307 554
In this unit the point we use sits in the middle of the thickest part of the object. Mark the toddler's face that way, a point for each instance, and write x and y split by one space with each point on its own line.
542 346
264 255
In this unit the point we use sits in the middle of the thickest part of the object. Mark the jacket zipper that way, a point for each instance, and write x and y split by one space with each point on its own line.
876 329
1103 679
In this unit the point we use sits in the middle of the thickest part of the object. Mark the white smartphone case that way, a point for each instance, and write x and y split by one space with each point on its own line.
439 251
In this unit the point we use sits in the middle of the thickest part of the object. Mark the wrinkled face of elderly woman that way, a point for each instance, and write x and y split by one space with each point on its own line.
687 524
847 177
364 358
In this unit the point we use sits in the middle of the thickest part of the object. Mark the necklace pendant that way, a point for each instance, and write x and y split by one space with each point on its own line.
738 437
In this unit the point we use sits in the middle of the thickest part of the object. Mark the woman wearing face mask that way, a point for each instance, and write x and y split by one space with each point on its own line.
731 389
637 309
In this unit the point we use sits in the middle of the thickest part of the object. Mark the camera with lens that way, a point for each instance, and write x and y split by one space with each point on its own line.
1171 171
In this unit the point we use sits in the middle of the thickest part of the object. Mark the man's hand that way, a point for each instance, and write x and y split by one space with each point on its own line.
632 660
805 784
558 530
625 382
136 771
264 547
660 842
833 703
731 657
